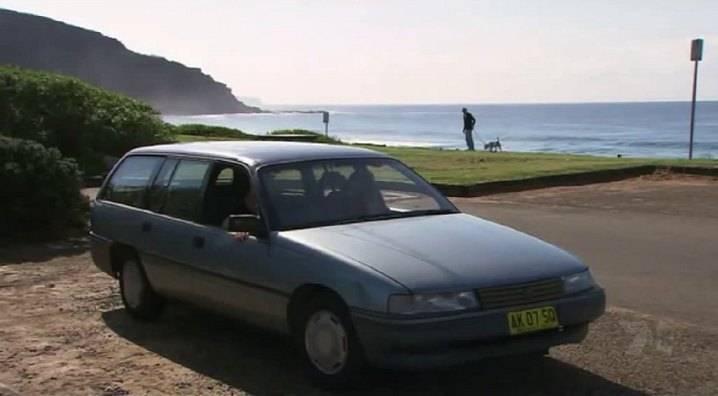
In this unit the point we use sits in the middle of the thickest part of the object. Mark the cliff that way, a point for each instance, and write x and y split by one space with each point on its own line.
41 43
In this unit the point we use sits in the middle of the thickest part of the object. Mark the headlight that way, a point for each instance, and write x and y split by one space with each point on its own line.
426 303
578 282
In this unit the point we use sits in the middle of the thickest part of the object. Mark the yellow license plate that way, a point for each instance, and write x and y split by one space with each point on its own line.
537 319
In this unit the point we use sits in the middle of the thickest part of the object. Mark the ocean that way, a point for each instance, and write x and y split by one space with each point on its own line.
650 129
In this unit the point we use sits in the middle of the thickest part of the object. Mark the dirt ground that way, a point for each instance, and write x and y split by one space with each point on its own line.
63 331
663 193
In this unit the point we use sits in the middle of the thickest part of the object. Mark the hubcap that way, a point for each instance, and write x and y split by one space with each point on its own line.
325 340
132 283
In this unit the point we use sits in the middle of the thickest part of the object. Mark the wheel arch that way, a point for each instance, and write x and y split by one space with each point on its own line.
118 252
301 296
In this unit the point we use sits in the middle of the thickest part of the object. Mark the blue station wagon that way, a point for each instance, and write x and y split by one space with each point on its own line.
347 250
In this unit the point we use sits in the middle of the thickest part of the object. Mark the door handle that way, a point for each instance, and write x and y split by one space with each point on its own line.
198 242
146 226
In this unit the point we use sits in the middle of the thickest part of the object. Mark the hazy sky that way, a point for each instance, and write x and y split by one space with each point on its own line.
384 51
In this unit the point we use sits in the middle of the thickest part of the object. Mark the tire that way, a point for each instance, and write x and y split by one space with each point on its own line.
543 352
330 350
140 301
539 354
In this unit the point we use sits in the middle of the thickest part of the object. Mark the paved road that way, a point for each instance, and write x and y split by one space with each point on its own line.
652 254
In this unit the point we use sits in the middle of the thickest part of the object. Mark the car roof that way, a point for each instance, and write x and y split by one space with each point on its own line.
256 153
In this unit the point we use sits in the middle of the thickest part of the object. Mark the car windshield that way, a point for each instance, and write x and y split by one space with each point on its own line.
329 192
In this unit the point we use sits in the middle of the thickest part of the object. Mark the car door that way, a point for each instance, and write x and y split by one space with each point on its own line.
237 272
198 260
179 247
237 278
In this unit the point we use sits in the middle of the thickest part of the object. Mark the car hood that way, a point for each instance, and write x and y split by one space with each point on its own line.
442 252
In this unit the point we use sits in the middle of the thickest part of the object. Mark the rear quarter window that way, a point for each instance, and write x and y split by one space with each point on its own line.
159 187
128 184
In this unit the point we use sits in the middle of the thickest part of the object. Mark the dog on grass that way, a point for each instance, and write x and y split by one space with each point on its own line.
493 146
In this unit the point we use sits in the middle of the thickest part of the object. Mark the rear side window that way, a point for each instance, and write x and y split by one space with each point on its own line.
159 187
129 183
186 190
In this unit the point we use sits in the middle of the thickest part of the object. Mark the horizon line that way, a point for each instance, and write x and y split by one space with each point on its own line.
482 104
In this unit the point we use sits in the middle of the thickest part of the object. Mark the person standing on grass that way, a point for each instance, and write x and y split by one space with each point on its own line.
469 122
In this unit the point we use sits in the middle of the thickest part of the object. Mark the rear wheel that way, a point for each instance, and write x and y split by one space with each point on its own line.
140 301
329 346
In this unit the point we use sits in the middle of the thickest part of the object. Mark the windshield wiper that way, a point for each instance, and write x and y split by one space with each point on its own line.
385 216
428 212
400 215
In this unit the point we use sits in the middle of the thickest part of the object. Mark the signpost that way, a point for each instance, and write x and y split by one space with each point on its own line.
325 119
696 56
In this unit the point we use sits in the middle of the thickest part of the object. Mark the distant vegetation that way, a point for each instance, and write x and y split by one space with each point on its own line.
41 43
292 132
210 131
317 137
83 122
200 132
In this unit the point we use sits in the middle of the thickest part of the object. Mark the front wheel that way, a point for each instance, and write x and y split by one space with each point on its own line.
140 301
330 348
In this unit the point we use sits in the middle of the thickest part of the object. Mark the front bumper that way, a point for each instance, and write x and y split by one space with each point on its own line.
422 343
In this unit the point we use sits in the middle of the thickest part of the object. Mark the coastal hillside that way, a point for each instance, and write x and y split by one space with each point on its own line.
41 43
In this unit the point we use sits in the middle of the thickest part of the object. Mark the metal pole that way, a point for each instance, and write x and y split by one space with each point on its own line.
693 109
325 119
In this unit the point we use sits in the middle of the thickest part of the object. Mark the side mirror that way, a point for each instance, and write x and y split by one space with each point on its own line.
246 223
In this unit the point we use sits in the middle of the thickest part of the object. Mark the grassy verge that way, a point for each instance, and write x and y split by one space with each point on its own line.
462 167
187 131
316 137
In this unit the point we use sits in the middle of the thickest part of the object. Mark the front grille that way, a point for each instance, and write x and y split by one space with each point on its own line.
520 293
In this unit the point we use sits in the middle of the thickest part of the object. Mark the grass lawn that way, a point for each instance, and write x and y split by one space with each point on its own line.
463 167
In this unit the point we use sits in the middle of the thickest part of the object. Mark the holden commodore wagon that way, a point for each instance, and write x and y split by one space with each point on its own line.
347 250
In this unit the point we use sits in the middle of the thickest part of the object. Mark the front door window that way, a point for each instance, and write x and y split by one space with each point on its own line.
227 194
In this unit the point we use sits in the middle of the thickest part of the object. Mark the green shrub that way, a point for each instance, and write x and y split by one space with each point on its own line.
317 137
40 196
84 122
210 131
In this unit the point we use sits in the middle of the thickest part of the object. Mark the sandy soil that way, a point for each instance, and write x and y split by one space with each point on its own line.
63 331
